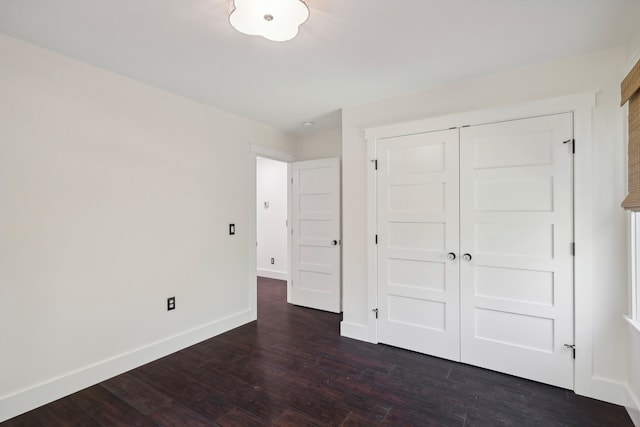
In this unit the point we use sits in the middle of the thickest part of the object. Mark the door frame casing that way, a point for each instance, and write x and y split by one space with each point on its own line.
581 105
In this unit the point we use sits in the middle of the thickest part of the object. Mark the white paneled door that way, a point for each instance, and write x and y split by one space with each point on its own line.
516 202
418 298
316 234
475 232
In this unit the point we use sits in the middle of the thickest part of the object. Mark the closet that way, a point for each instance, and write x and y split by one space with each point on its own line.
474 253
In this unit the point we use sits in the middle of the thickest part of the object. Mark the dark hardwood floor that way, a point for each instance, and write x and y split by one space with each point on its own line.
291 368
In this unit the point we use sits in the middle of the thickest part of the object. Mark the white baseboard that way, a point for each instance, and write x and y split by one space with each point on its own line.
606 390
272 274
30 398
634 414
634 408
355 331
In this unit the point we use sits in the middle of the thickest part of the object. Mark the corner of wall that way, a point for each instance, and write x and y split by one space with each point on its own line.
323 144
354 330
633 51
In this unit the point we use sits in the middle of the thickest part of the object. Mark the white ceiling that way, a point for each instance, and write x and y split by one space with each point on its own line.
349 51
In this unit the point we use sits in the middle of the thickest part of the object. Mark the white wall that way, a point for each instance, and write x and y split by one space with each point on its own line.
271 186
596 71
114 196
633 55
320 145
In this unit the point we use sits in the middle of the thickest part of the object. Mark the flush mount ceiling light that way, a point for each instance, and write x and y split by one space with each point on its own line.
276 20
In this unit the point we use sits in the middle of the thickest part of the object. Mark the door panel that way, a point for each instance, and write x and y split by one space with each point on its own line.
506 200
418 296
316 234
516 219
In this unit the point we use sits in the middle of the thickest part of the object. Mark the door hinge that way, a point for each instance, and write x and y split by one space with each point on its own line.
375 163
375 311
376 239
573 145
573 248
572 347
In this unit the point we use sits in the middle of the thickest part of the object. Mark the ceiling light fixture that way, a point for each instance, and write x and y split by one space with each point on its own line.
276 20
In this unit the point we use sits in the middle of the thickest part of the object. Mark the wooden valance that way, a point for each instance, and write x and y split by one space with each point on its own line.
630 92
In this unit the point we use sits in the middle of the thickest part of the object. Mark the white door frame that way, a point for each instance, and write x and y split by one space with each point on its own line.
256 150
585 383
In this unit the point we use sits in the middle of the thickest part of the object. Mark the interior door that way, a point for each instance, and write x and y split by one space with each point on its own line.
316 234
517 228
418 286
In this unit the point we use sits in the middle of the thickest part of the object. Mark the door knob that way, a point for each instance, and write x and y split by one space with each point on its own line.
451 256
334 242
466 257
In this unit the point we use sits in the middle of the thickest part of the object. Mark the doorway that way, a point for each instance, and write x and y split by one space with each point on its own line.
272 254
312 229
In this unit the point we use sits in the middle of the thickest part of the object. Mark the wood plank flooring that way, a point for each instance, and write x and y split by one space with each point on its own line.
291 368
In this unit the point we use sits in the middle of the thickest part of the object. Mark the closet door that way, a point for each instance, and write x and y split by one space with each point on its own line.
418 215
517 227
